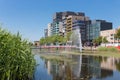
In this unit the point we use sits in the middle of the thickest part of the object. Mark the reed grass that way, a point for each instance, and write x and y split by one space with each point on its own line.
16 60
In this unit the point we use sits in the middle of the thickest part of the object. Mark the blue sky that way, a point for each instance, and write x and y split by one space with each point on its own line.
30 17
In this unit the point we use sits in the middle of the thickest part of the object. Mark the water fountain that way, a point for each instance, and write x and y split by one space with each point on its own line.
76 39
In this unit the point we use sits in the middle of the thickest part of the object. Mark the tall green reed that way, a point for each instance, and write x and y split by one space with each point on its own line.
16 59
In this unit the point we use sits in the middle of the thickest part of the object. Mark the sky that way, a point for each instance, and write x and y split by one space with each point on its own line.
30 17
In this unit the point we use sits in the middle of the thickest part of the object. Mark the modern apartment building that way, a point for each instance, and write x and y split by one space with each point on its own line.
49 29
55 28
61 29
82 26
64 22
63 17
109 34
58 17
74 22
96 26
71 19
46 32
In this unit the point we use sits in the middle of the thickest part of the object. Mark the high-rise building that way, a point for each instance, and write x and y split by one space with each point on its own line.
61 29
82 26
46 32
97 26
70 20
63 17
49 29
74 22
55 28
58 16
65 22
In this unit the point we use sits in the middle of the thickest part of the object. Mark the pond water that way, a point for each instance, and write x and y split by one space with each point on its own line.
81 68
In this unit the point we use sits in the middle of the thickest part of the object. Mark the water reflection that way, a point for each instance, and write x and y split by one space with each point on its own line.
83 68
41 71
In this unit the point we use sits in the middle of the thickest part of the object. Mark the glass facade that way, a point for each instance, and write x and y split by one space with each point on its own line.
94 30
78 24
95 27
71 21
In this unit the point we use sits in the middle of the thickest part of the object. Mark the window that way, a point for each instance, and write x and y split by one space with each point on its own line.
112 34
111 38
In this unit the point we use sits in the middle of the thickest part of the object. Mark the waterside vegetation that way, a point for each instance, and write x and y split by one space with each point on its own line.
55 39
110 49
95 53
55 57
117 35
16 60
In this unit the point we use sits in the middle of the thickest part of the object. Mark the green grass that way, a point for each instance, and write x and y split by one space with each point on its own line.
55 57
95 53
113 49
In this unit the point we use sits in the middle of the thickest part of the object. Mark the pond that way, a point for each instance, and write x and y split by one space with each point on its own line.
80 68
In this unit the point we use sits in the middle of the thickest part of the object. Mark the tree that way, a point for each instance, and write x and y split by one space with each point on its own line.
104 40
55 39
64 40
98 40
68 35
117 35
42 41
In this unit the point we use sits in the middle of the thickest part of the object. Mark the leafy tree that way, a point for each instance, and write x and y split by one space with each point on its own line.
55 39
42 41
64 40
104 40
68 35
58 39
118 34
48 40
98 40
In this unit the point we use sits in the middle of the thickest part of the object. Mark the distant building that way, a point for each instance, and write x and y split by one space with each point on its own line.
55 28
63 17
46 32
65 22
109 34
49 29
61 29
97 26
37 43
76 20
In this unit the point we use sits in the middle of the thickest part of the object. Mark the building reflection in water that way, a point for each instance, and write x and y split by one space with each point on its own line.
83 68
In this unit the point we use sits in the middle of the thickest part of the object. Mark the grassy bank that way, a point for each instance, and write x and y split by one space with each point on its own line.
110 49
101 51
55 57
94 53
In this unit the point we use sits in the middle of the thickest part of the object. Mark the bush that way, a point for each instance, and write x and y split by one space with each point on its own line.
108 49
16 60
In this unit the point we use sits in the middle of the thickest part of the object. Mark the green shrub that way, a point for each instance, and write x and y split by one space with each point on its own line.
113 49
103 49
16 60
108 49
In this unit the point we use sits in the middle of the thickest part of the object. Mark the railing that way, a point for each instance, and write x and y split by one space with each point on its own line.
54 49
110 44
